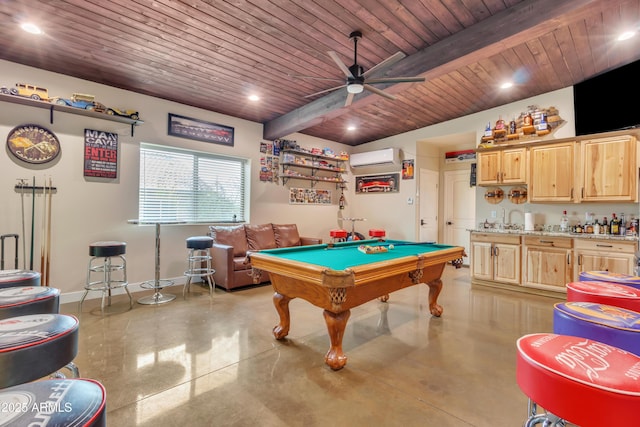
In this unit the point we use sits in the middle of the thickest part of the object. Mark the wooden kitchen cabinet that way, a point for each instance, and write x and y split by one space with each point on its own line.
495 258
552 172
609 169
548 262
506 166
604 255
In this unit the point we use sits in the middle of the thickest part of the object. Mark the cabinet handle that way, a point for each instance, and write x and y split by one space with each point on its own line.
495 251
572 192
582 193
579 259
568 259
547 241
603 246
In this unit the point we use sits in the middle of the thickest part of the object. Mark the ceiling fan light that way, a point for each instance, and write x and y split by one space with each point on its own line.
355 88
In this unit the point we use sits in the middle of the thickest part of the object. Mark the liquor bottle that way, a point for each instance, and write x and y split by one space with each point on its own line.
564 222
543 122
499 123
528 119
512 126
605 226
596 227
614 225
622 224
487 131
342 201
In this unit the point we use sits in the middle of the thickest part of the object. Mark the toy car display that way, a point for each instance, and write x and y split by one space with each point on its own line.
27 90
132 114
80 100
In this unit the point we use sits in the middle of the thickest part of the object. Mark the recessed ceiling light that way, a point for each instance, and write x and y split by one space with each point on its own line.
254 98
626 35
351 127
31 28
506 85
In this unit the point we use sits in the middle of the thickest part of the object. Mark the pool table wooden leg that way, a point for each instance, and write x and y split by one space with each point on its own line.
336 323
281 303
435 286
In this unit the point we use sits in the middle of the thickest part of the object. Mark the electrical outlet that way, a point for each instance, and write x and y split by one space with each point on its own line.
494 214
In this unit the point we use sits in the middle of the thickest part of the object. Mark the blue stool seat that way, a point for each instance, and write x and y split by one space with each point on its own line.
199 242
23 300
35 346
11 278
608 276
611 325
59 402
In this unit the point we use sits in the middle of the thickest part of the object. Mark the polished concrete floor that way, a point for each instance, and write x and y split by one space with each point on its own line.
212 361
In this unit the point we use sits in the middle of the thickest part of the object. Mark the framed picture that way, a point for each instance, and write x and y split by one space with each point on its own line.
377 183
100 154
186 127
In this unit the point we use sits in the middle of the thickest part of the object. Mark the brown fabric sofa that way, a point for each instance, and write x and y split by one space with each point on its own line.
231 244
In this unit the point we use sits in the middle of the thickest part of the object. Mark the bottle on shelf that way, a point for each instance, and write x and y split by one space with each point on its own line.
512 126
342 201
622 225
596 227
605 226
564 222
614 225
499 123
487 131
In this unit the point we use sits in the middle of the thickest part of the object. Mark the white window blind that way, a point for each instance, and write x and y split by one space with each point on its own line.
191 186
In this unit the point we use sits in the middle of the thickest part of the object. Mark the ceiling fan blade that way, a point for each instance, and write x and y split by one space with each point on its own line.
324 91
386 63
295 76
378 92
341 64
349 99
397 80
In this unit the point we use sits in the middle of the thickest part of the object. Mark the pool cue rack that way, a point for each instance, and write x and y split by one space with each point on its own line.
30 188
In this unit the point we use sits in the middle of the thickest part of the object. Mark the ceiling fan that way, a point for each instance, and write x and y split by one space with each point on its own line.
357 80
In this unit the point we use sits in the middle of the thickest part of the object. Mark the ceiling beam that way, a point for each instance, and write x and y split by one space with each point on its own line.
483 39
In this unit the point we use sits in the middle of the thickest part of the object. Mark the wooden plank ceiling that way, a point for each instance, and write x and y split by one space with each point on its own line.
212 54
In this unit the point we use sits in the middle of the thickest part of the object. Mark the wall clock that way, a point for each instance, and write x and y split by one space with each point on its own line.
33 143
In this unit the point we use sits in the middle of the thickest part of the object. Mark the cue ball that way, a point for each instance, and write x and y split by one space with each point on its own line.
391 247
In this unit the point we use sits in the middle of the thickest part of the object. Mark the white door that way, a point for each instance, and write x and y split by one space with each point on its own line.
459 209
429 205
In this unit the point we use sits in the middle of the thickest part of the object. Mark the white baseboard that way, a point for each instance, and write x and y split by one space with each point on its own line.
76 296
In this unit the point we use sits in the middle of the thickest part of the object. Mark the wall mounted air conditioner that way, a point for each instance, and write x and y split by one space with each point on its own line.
387 156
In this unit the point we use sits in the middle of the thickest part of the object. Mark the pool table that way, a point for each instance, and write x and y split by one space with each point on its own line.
339 276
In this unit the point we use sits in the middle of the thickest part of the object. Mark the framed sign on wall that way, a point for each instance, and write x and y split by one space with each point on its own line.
33 144
200 130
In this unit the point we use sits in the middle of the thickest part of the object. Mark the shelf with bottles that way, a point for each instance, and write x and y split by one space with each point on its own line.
535 123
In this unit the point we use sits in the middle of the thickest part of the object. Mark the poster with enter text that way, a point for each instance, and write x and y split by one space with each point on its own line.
100 154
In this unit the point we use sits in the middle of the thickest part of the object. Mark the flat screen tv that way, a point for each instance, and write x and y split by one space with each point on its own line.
601 104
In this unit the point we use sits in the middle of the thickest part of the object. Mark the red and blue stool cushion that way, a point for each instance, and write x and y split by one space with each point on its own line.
608 293
583 381
611 325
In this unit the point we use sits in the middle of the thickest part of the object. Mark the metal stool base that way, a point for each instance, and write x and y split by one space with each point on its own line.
106 283
546 419
157 297
195 259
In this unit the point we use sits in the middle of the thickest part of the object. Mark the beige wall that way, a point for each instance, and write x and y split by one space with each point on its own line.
88 210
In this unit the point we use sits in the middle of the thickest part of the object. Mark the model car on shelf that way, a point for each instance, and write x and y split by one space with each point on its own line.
38 93
132 114
80 100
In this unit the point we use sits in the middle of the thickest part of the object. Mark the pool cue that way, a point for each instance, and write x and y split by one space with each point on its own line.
24 229
43 267
49 231
33 217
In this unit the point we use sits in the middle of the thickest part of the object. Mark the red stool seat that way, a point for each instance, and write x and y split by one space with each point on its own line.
582 381
341 234
35 346
23 300
607 293
59 402
376 232
608 276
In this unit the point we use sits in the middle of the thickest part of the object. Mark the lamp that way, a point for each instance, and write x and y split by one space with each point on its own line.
355 87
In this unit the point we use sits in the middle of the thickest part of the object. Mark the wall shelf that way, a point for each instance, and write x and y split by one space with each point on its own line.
311 162
16 99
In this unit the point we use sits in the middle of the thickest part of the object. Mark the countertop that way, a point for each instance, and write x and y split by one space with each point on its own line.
556 234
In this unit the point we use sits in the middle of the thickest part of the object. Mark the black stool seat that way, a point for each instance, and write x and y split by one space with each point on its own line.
60 402
23 300
11 278
107 249
35 346
199 242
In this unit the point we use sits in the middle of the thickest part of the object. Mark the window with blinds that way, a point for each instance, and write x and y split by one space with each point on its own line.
190 186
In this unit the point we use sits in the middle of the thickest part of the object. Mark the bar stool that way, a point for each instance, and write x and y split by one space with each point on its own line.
338 235
377 233
11 278
583 381
59 402
23 300
36 345
607 293
101 263
199 253
610 276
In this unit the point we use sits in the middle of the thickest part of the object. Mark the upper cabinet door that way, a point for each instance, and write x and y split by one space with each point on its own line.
552 172
488 167
508 166
609 168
